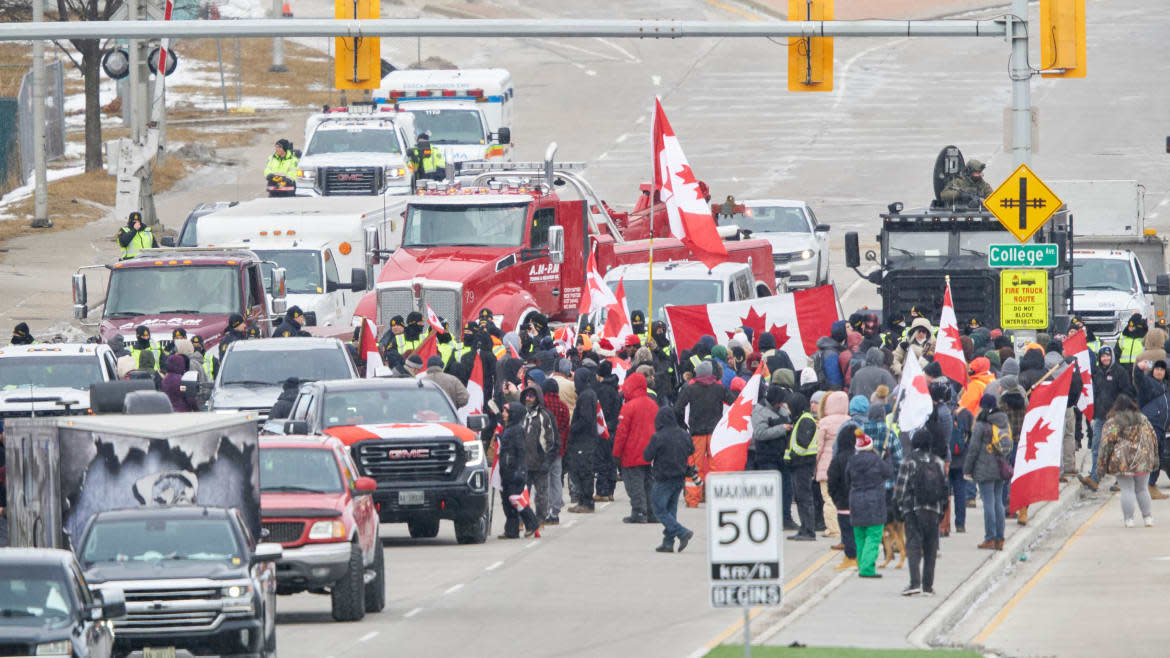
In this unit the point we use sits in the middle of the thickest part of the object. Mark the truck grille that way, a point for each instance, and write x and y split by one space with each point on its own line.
171 610
283 532
783 258
399 301
408 461
1101 323
346 181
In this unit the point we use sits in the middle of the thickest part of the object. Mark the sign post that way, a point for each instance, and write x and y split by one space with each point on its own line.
744 529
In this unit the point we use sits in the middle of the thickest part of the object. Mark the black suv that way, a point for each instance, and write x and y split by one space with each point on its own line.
405 433
193 578
47 608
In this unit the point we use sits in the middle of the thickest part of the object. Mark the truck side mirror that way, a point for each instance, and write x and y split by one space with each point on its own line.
358 281
476 422
267 552
822 228
1163 284
167 241
372 257
296 427
504 136
852 250
556 244
310 318
112 606
279 301
80 297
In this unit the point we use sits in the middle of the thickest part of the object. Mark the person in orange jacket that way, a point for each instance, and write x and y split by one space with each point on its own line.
978 377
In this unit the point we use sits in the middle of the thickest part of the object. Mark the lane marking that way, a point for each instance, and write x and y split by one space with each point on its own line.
534 542
804 575
368 636
412 613
622 137
735 10
603 155
452 589
495 566
590 72
1015 600
603 506
640 120
621 50
656 80
852 288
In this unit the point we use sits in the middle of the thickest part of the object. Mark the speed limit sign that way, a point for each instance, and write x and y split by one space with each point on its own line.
744 529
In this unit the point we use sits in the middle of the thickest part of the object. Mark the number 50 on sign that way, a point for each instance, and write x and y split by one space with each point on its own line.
744 530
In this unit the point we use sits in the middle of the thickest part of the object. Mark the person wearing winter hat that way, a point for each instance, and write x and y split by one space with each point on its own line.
871 375
991 440
564 378
808 381
867 473
1109 380
21 335
801 459
705 396
978 377
414 364
610 397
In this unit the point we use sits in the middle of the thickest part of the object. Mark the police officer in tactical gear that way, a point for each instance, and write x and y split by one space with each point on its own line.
135 236
142 343
969 189
21 335
291 325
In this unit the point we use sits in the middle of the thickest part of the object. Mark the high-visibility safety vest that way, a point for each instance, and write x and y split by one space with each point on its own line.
447 349
286 166
209 367
144 239
1128 348
429 163
137 354
1095 346
793 447
892 429
404 345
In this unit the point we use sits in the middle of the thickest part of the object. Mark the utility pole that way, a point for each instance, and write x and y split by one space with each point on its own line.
40 191
277 43
1021 75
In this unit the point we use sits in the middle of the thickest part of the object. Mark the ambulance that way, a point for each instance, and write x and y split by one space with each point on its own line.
358 150
468 112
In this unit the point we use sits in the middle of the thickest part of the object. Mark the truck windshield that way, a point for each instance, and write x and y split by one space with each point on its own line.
32 591
409 405
450 126
677 292
353 139
259 367
1102 274
977 243
303 270
299 470
918 244
159 290
155 539
769 219
50 372
465 225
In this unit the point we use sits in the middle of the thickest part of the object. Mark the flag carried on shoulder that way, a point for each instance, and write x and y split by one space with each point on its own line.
1037 472
1076 346
948 350
733 434
368 347
914 403
686 206
796 319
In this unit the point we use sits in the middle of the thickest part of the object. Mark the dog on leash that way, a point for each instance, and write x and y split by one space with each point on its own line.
894 539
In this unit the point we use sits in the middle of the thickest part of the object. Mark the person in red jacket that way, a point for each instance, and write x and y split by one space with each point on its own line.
634 428
562 415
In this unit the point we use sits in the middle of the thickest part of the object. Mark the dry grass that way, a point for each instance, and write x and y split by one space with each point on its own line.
15 60
308 70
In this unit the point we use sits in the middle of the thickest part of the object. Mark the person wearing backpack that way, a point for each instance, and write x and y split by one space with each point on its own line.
921 493
831 358
991 443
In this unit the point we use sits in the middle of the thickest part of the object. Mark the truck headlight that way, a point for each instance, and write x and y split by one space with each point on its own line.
806 254
474 452
327 530
398 172
236 591
58 648
305 174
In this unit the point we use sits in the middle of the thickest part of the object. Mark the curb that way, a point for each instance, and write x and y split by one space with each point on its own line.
976 585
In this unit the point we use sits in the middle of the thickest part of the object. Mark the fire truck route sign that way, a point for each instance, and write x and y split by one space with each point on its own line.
1023 299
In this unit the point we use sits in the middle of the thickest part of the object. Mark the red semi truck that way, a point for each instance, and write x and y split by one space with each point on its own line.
515 238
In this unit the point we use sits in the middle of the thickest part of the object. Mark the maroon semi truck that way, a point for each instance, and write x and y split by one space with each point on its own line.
189 288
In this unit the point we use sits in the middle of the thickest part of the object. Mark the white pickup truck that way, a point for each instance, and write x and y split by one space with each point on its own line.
51 379
680 283
358 150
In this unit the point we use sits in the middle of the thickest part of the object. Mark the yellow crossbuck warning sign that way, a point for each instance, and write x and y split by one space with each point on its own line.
1022 203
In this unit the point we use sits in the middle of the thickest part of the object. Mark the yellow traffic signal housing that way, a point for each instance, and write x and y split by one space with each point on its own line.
357 61
810 59
1062 38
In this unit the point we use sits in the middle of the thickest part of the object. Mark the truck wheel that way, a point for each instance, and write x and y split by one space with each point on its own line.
376 588
348 594
423 529
473 531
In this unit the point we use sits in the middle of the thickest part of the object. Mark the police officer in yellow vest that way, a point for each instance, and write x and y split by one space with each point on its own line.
413 334
1129 344
283 161
427 161
801 459
142 343
638 324
135 236
446 344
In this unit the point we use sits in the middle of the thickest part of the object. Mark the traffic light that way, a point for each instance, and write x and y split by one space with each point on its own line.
357 61
1062 38
810 59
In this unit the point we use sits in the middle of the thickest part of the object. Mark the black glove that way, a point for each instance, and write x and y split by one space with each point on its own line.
773 422
905 345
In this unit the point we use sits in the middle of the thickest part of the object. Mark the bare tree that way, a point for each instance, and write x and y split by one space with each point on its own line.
91 69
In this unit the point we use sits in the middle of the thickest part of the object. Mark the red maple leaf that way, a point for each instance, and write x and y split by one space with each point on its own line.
919 384
952 334
739 414
780 333
1039 433
688 178
753 321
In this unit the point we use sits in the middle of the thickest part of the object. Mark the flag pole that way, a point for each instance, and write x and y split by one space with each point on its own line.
653 188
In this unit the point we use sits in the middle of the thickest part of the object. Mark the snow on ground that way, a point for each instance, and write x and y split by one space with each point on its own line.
242 9
24 191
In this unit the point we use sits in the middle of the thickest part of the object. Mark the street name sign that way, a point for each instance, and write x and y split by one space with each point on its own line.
1023 299
1023 255
744 530
1022 203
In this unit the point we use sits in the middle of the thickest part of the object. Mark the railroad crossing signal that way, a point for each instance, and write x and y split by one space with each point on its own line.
1022 203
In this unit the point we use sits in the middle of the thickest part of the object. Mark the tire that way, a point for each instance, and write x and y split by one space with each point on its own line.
473 531
376 588
423 529
348 593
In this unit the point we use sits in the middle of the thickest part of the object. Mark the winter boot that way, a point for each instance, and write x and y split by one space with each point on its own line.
1156 493
1022 519
1088 482
846 563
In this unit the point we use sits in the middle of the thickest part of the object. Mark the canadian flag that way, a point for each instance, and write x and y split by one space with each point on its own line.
620 368
429 347
796 320
730 439
434 321
1076 346
1037 473
914 403
495 480
521 500
948 350
474 391
566 334
368 347
686 207
596 294
602 428
617 317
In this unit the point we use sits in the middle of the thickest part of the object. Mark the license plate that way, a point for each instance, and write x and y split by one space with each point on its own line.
411 498
158 652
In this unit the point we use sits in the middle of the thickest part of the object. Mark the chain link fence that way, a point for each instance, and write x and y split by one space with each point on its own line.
54 117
